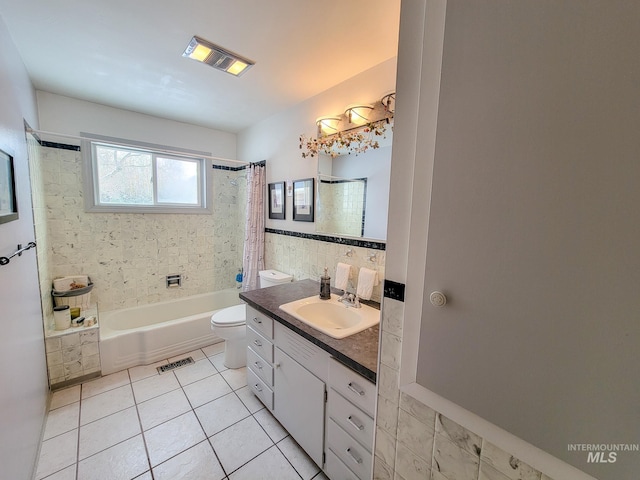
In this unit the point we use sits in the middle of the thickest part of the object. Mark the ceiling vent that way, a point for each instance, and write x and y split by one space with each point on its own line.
206 52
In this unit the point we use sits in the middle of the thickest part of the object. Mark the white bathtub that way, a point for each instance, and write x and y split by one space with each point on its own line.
149 333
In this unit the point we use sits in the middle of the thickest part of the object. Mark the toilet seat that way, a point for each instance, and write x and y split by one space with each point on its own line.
230 317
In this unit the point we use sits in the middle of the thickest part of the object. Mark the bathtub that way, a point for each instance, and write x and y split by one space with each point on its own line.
150 333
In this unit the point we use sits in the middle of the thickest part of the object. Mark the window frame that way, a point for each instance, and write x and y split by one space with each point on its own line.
91 187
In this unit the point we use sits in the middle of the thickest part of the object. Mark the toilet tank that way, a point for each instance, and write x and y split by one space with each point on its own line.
269 278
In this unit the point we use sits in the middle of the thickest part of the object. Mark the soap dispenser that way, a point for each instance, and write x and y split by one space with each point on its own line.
325 285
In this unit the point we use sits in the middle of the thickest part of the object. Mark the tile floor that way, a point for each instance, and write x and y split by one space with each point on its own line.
198 422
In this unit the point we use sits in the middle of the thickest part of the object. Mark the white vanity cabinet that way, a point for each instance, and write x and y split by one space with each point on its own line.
260 356
350 425
327 407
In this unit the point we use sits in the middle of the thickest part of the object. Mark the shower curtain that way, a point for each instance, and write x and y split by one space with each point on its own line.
253 255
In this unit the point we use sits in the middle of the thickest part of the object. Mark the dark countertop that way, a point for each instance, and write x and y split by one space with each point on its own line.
358 352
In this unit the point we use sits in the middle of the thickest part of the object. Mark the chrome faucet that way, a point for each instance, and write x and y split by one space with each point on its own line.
350 300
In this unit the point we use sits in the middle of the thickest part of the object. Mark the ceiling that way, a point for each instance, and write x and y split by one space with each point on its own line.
128 54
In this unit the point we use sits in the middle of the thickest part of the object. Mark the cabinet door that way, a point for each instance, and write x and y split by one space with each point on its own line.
299 404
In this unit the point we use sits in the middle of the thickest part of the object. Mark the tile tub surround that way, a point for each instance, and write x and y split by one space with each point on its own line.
129 255
414 442
198 421
359 351
72 354
305 257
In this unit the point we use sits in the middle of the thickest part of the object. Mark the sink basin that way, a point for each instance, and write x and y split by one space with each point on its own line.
331 317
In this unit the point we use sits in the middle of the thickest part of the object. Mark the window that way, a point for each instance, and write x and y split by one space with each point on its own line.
125 178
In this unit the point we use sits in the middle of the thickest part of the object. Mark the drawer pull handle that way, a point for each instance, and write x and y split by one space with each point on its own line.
258 365
255 319
257 387
355 425
257 343
354 388
358 460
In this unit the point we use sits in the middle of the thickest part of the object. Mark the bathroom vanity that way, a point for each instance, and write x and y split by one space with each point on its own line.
321 389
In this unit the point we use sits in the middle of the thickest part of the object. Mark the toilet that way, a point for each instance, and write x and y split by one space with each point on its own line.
230 323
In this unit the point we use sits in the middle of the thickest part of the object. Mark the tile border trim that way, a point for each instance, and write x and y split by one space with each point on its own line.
353 242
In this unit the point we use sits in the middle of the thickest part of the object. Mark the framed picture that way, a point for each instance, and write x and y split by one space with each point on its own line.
8 204
276 201
303 199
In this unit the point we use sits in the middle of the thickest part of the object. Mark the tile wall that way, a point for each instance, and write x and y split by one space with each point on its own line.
340 207
307 257
72 355
414 442
128 255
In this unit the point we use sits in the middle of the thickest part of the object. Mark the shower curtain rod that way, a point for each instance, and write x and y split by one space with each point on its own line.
125 144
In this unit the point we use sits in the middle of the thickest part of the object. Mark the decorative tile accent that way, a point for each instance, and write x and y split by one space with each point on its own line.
394 290
507 464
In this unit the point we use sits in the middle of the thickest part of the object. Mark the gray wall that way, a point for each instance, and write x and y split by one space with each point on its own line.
533 229
23 379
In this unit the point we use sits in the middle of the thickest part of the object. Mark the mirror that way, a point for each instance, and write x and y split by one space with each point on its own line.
352 195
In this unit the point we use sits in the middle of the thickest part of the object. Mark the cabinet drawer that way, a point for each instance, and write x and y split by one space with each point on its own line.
260 390
352 386
310 356
260 322
336 470
354 421
260 367
349 451
260 345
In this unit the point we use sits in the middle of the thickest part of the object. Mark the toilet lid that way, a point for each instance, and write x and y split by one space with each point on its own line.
230 316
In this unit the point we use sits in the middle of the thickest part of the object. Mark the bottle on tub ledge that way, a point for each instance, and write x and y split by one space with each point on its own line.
325 285
239 278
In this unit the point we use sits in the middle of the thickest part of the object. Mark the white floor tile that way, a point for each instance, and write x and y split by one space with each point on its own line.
123 461
62 420
63 397
196 355
165 407
269 465
144 476
306 467
240 443
214 349
196 463
154 386
108 431
68 473
192 373
144 371
268 422
221 413
104 384
218 361
249 399
57 453
173 437
235 377
105 404
207 389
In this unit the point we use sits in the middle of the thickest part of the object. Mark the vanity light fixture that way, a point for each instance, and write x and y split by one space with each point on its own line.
358 114
206 52
328 125
389 102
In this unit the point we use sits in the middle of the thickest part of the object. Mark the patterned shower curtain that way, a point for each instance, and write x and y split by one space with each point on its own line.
253 255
